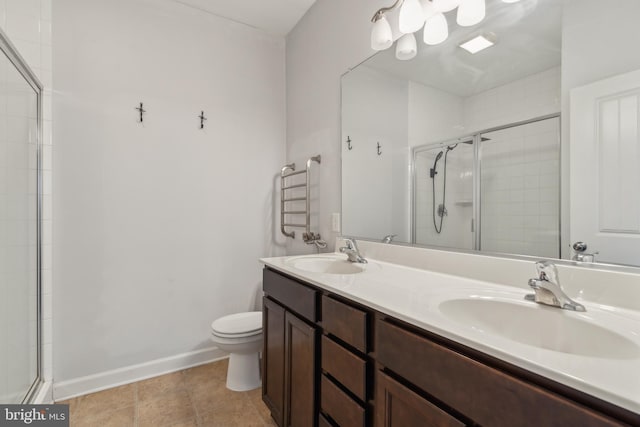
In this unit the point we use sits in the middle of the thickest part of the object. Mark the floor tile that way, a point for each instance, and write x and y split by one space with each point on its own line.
105 401
171 408
156 387
124 417
194 397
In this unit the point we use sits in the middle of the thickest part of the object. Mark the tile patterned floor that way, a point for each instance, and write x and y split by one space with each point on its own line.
193 397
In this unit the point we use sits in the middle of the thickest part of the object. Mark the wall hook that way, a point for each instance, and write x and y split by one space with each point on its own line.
202 119
349 143
141 110
379 147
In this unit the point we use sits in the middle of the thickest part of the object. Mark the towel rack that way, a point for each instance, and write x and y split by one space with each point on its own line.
289 171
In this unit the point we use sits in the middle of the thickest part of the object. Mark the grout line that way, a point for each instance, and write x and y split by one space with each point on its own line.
190 395
135 404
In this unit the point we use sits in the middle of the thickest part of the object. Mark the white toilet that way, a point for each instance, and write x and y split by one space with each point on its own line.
240 335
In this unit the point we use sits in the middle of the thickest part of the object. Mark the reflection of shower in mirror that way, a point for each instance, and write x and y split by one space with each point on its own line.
442 207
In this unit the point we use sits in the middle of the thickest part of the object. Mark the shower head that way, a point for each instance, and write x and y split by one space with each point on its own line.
433 171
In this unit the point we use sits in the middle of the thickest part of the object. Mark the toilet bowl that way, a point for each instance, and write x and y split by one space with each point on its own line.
240 335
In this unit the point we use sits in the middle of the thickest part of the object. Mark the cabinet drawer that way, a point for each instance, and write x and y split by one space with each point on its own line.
347 368
294 295
345 322
397 406
339 406
484 394
323 422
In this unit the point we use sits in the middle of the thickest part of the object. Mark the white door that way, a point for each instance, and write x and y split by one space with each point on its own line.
605 168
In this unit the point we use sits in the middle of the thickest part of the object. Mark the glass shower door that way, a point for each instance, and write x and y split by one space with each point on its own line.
443 194
19 234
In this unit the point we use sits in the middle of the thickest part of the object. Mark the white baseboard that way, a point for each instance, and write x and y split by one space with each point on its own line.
76 387
44 395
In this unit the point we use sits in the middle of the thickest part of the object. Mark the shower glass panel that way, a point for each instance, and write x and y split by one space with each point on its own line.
19 234
520 189
443 194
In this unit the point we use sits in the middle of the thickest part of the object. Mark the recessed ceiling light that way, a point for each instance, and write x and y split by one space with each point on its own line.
478 43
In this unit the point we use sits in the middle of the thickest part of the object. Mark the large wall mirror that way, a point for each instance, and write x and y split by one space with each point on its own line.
527 147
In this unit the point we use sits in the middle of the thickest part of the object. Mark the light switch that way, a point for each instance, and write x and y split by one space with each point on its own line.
335 222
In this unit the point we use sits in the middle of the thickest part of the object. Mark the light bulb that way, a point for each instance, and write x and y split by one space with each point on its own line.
411 16
445 5
381 36
471 12
436 29
406 47
427 9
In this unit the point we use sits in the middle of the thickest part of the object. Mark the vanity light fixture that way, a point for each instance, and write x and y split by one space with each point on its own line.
381 36
436 29
446 5
406 48
471 12
411 16
416 14
478 43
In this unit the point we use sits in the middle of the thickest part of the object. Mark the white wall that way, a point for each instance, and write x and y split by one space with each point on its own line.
27 23
158 225
434 115
332 37
374 187
534 96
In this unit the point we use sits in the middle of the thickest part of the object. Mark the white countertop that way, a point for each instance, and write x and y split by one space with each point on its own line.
415 296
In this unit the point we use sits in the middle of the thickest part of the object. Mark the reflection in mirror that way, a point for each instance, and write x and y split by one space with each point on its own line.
477 147
496 191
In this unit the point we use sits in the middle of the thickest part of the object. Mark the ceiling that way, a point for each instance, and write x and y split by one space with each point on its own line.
276 17
528 41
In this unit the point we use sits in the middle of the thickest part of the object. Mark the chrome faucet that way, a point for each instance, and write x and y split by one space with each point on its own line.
548 290
352 251
388 238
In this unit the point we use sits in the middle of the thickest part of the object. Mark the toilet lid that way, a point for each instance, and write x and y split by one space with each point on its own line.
239 324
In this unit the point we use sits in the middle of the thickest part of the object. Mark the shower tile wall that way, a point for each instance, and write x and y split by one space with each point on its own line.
520 193
27 23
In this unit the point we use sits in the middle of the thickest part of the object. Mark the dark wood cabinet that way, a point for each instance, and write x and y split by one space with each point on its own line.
321 349
289 360
273 355
481 393
299 377
398 406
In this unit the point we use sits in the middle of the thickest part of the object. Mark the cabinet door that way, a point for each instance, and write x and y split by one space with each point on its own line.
300 372
397 406
273 355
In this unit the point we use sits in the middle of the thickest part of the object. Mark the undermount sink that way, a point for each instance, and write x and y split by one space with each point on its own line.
325 264
540 326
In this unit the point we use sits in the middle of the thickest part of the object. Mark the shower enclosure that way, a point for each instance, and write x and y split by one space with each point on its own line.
20 114
496 190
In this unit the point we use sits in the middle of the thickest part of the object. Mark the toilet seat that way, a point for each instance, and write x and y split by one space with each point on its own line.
239 325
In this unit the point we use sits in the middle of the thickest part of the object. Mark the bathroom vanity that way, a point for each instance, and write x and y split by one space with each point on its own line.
345 346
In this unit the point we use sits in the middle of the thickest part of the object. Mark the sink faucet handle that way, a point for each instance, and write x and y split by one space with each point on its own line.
388 238
351 249
547 271
350 243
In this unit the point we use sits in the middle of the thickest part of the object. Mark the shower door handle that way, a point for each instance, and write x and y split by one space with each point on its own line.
473 226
